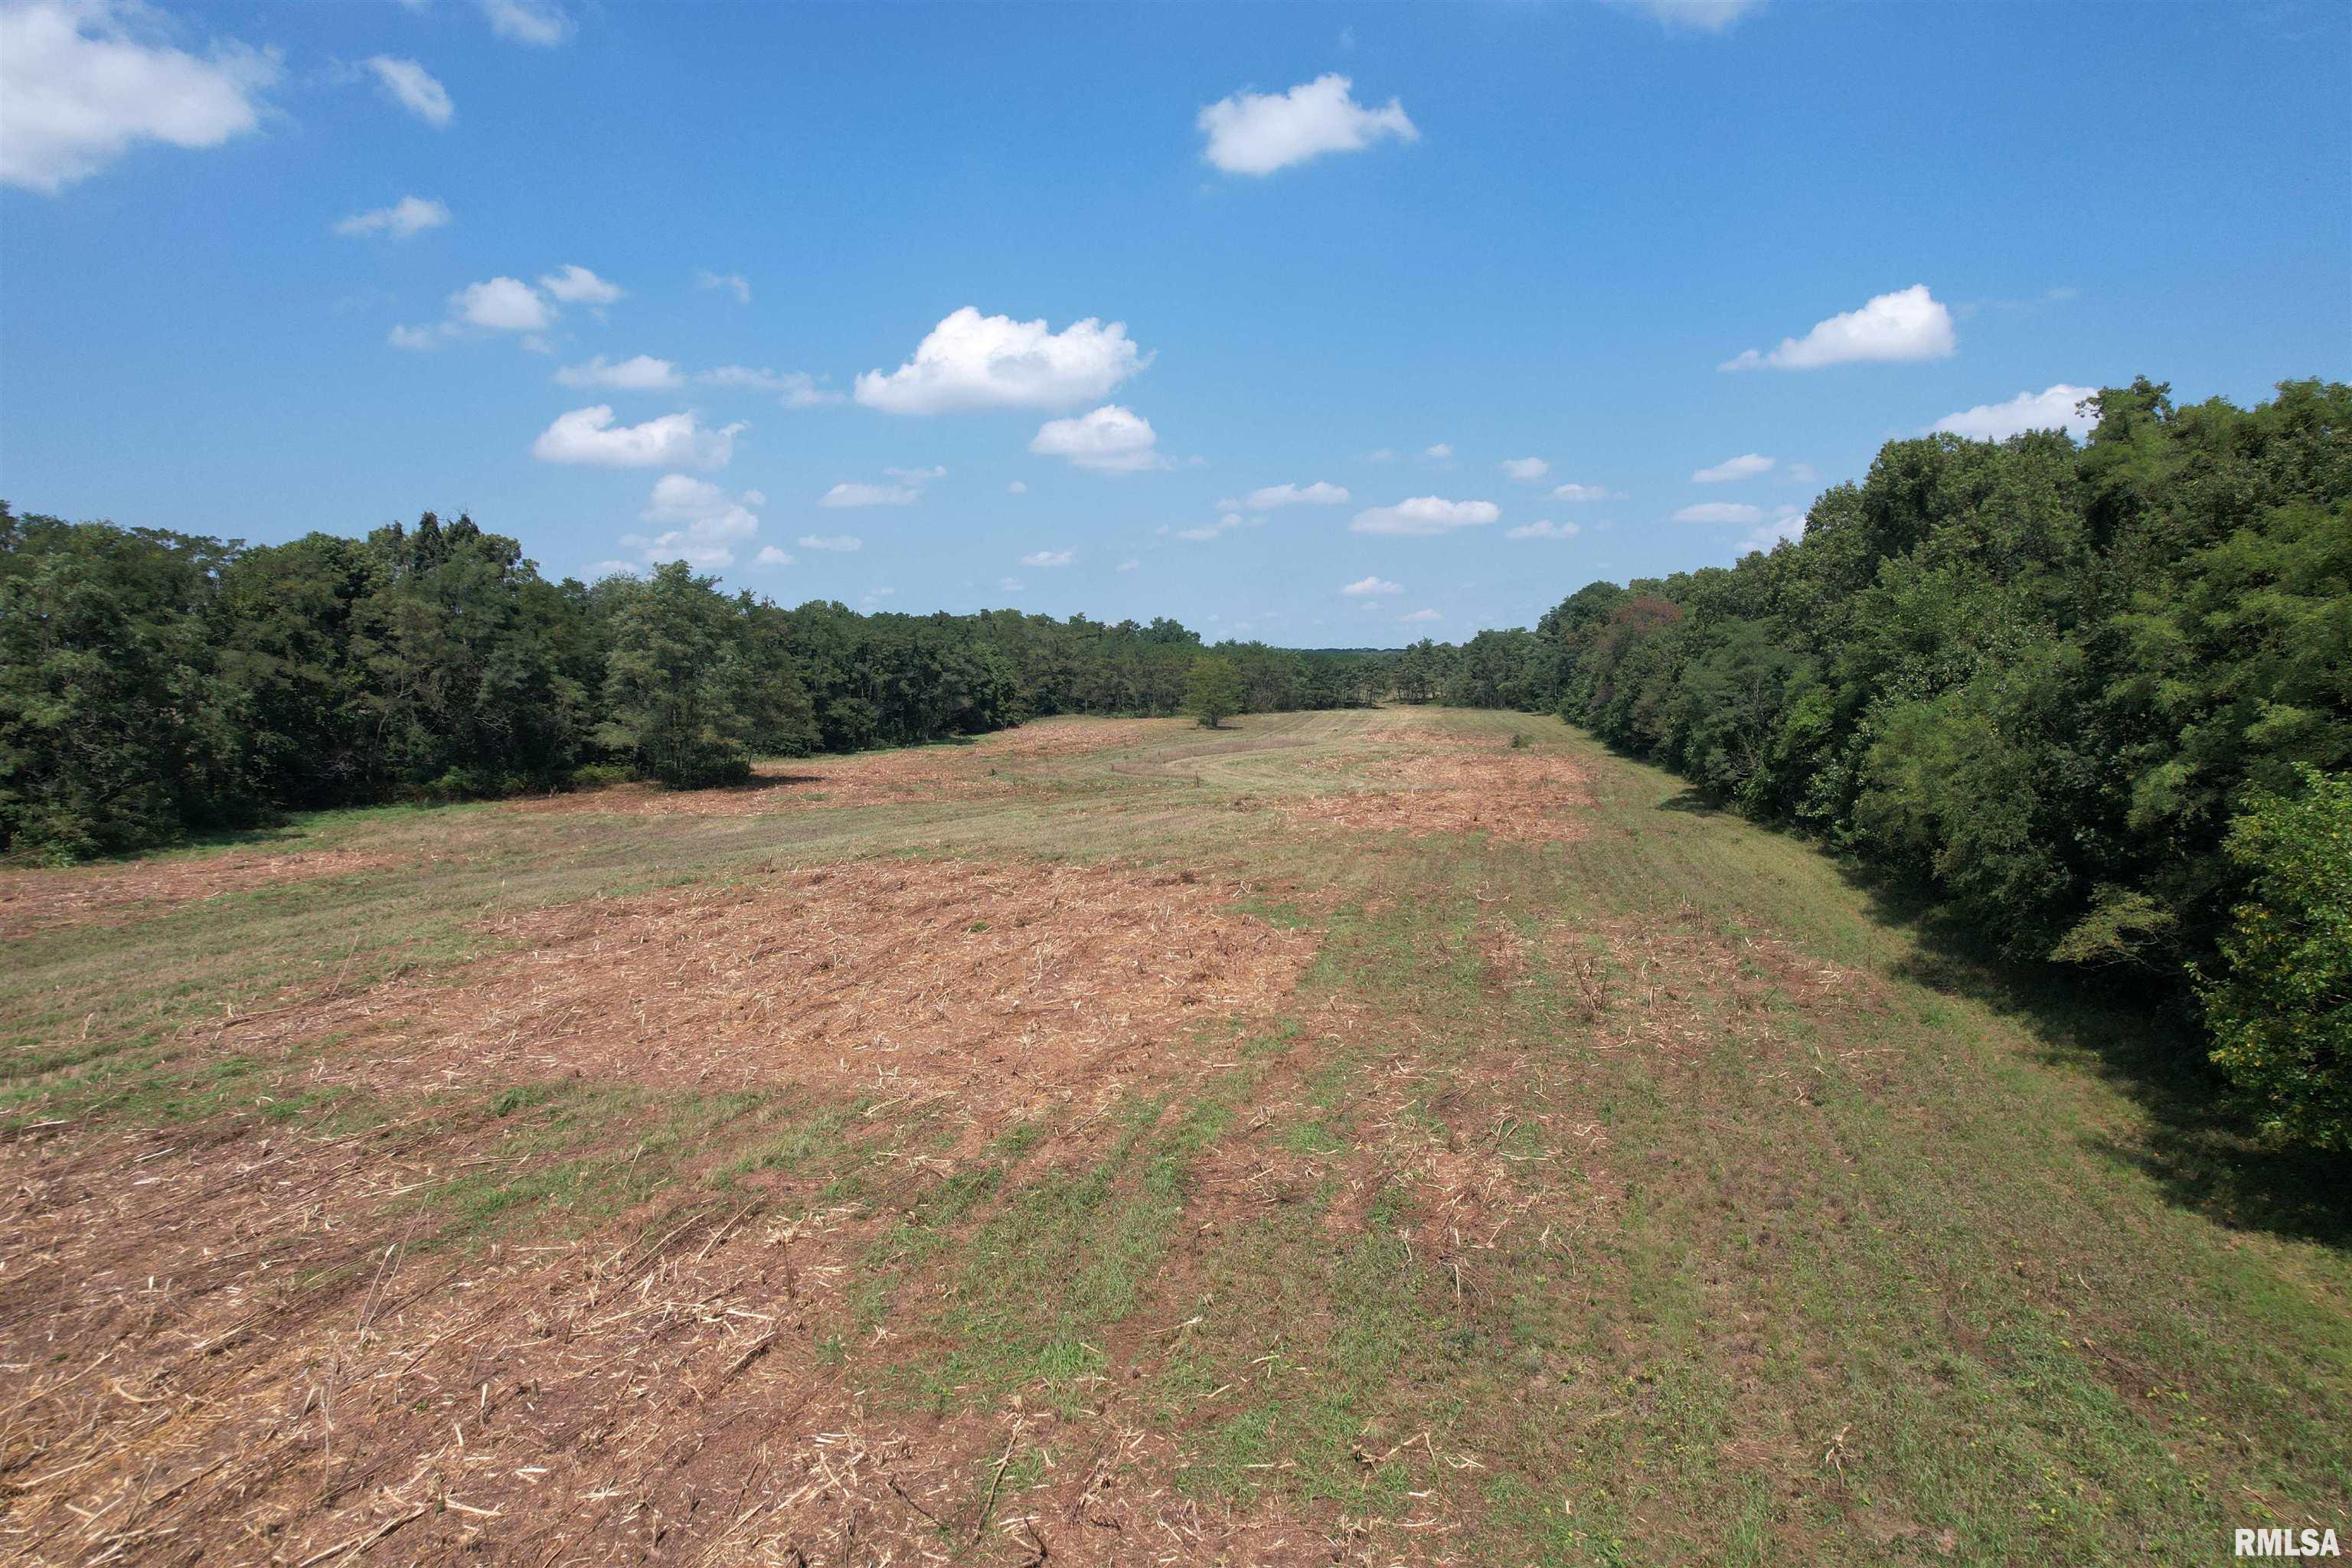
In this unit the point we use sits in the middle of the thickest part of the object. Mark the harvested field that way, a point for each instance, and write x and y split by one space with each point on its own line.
996 988
917 776
1440 787
1337 1138
45 899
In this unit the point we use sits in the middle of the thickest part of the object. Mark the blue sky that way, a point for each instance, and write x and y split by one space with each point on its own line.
1514 232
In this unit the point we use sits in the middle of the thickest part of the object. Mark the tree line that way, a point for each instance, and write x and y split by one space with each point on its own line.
2094 698
2097 699
156 685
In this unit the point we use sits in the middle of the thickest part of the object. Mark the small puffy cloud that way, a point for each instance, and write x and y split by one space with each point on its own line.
1049 558
1016 489
1381 455
734 283
1585 492
407 217
797 387
1547 529
1110 440
500 305
1316 494
771 556
415 339
1225 524
707 512
413 87
1718 511
81 84
1441 453
576 284
916 476
2054 408
1009 585
705 523
1745 467
841 542
1697 16
852 494
1129 565
1421 615
1908 324
642 372
1785 523
974 362
675 440
1424 515
534 22
1364 587
1799 473
1258 132
1527 470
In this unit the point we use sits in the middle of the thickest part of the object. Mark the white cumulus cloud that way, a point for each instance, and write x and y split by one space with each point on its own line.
534 22
1526 470
576 284
413 87
972 361
1585 492
841 542
1425 515
1908 324
675 440
1316 494
1365 586
2052 408
1110 440
81 83
641 373
1785 523
1421 615
704 521
1258 132
408 216
735 283
1718 511
1547 529
500 305
1016 489
1745 467
798 388
1698 15
1225 524
1049 558
771 556
852 494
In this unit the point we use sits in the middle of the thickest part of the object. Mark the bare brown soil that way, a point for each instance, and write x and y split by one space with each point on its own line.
1432 782
37 900
230 1347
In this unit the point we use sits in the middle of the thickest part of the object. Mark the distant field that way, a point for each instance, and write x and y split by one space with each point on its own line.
1411 1135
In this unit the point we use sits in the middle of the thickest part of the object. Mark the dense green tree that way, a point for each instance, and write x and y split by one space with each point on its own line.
1213 689
683 702
2281 1012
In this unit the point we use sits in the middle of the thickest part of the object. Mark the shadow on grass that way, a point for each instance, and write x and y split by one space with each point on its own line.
2137 1033
1694 803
